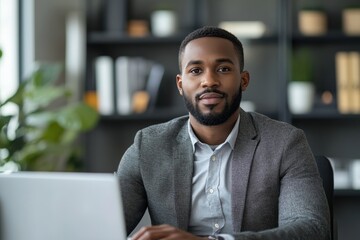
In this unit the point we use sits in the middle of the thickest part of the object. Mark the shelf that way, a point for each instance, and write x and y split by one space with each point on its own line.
346 193
330 38
164 114
261 40
156 115
117 38
325 114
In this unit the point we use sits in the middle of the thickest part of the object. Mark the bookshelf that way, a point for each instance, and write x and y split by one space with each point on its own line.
329 132
164 50
267 58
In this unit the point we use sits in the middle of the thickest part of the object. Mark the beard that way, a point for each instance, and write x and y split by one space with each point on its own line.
212 119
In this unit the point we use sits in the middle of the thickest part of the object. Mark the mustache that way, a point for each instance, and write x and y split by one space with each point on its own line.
210 90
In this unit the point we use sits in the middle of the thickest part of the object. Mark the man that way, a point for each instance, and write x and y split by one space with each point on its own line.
221 173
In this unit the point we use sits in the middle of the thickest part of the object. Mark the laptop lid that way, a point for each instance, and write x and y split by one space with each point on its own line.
59 206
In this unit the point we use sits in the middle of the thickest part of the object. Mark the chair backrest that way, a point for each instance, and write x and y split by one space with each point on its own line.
327 175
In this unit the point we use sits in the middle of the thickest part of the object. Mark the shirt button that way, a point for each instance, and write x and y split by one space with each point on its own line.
213 158
216 225
211 190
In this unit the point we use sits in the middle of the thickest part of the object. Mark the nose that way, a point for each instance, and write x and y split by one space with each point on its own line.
209 80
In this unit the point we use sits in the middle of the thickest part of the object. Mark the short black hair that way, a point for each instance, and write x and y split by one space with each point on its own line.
210 31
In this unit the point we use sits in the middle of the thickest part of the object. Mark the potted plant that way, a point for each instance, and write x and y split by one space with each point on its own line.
301 89
43 134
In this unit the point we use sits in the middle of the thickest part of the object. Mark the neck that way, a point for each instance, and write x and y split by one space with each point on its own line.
213 135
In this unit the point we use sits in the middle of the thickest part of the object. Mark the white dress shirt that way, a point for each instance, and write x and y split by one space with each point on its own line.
211 186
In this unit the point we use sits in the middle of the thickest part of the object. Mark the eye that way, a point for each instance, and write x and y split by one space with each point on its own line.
224 69
195 71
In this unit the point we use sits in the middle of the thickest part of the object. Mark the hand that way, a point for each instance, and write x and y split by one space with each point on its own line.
163 232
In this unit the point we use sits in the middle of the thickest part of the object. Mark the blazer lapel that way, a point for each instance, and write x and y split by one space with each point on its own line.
182 181
245 147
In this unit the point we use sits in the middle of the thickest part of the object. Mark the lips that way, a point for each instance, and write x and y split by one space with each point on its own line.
210 98
210 95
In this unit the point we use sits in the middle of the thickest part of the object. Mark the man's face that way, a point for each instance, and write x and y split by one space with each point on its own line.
211 81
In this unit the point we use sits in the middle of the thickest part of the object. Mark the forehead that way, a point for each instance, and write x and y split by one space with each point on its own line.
208 48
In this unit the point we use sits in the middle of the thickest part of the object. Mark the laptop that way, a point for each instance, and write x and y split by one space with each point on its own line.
60 206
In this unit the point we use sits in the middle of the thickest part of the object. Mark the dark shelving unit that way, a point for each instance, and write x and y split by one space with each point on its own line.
335 37
330 133
164 50
350 193
324 114
266 58
118 39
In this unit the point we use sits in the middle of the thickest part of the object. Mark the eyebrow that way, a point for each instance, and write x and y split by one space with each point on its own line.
224 60
219 60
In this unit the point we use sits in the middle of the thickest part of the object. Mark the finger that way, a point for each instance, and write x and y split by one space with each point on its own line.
153 232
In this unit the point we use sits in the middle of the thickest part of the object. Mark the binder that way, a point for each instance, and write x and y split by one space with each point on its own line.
123 87
354 81
342 82
104 74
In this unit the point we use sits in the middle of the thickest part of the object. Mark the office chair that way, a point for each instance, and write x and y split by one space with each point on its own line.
327 175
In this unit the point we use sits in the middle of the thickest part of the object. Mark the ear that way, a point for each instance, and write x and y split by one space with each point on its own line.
179 83
245 79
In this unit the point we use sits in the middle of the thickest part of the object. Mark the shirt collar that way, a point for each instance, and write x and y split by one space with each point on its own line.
231 139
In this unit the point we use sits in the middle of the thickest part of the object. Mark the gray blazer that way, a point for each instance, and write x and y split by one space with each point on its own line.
276 189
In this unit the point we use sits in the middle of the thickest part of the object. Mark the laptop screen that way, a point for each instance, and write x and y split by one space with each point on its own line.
59 206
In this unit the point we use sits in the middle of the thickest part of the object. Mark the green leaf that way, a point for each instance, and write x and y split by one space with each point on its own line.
78 117
28 156
4 141
44 96
4 121
15 145
46 74
52 133
47 129
17 97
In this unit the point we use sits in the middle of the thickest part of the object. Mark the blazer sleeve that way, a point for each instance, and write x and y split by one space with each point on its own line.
303 208
132 188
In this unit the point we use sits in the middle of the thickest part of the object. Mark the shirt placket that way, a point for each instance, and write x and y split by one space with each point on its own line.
213 194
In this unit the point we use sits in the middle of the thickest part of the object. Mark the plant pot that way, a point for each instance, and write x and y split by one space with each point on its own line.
351 21
163 23
312 22
301 97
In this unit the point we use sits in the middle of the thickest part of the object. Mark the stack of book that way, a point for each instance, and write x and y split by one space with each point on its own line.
126 85
348 82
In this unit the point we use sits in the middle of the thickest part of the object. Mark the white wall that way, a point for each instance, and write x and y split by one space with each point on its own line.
45 39
9 68
50 19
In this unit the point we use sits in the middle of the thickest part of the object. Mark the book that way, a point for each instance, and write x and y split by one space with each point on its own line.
355 173
342 82
137 84
354 81
153 83
243 29
104 74
122 85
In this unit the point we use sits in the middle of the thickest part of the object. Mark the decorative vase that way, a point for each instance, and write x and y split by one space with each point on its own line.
301 97
163 23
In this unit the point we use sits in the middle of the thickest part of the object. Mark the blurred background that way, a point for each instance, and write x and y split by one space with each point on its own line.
120 58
